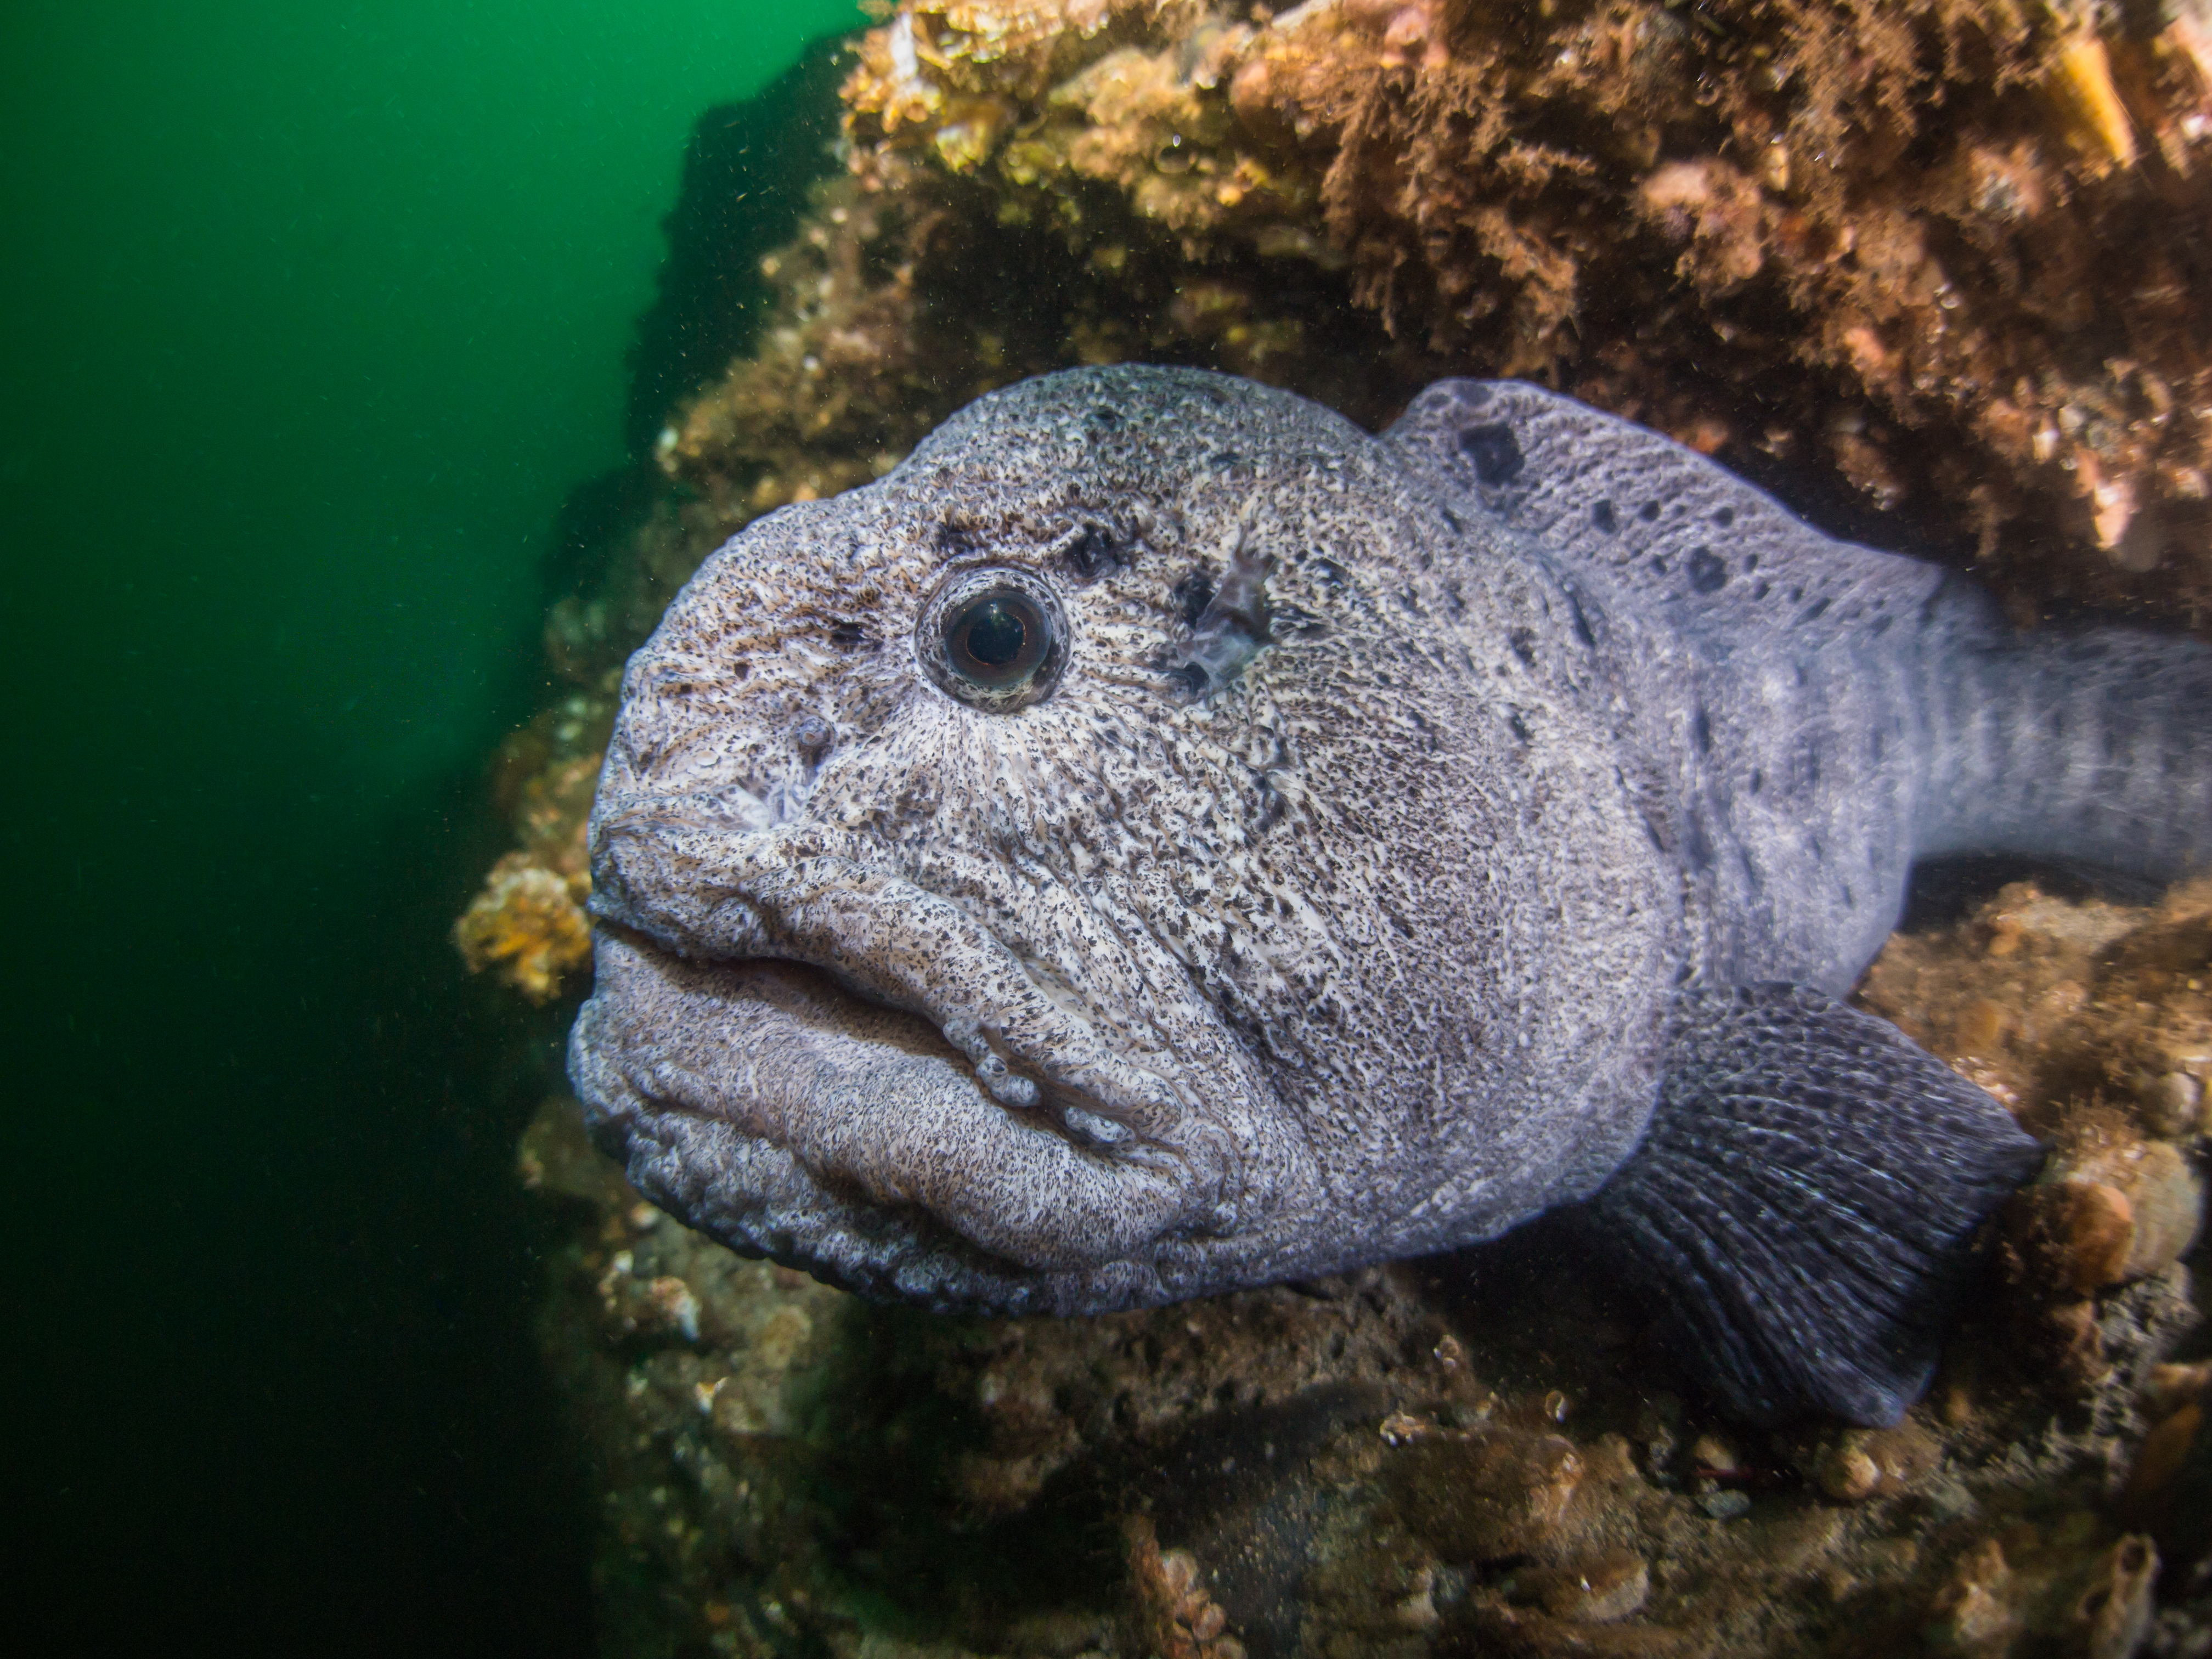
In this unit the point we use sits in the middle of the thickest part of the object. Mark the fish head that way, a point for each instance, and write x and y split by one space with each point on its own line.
1035 881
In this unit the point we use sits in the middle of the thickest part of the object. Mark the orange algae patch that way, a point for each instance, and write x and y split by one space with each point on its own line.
526 925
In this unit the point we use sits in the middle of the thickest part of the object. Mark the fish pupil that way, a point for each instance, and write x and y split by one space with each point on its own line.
999 640
995 634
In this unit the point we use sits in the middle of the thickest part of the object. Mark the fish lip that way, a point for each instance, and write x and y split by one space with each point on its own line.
1139 1161
786 897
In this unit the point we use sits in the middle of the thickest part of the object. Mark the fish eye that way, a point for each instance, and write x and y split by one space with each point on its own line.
995 638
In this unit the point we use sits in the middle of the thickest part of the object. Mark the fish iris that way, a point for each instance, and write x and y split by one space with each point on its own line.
997 639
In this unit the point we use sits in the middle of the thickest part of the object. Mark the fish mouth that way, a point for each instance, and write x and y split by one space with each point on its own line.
899 1054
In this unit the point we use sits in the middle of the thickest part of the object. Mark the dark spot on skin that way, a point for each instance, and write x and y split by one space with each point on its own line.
1409 601
1659 563
1702 729
1753 882
1750 562
1473 397
1523 641
1452 518
1224 459
1284 619
1273 807
1093 553
1757 781
1648 512
1455 601
1519 726
1761 591
811 737
1696 845
739 670
849 634
1725 517
1878 743
1815 610
1605 517
1707 573
956 539
1328 570
1583 630
1191 679
1105 417
1191 596
1495 452
1850 899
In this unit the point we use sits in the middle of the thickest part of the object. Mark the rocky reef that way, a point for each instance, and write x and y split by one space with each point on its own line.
1931 270
1946 250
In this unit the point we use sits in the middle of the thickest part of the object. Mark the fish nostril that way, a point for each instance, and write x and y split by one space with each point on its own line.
812 737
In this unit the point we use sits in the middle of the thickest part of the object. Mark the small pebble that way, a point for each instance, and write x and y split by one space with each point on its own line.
2173 1104
1979 1028
1592 1590
2163 1450
1725 1505
1849 1476
1710 1454
2173 1386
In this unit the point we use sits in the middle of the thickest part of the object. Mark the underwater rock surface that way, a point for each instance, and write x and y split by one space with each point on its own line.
1930 271
1879 238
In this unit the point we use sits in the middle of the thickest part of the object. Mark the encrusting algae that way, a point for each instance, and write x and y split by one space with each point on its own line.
528 924
1930 270
1877 240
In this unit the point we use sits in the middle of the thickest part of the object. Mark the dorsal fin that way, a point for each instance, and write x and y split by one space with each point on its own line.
1602 492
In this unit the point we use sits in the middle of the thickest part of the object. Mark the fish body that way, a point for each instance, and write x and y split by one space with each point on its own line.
1161 839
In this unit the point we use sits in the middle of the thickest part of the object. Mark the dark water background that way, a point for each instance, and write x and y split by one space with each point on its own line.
312 313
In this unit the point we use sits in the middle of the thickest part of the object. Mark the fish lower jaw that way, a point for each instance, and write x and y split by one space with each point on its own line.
1050 1141
1030 1087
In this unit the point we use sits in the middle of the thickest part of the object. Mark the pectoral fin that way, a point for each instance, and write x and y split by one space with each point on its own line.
1804 1204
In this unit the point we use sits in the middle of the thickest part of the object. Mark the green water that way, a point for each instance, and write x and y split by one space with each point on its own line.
311 314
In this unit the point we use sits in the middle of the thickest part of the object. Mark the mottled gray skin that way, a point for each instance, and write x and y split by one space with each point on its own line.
1335 921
